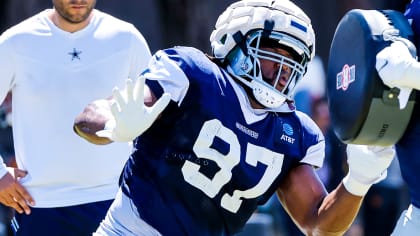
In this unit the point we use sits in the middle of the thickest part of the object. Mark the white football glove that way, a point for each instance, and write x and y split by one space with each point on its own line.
395 66
367 165
398 68
131 116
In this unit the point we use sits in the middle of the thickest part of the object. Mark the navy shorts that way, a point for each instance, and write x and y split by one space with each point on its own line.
77 220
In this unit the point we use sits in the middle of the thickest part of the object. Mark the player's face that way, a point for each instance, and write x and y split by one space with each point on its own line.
271 69
74 11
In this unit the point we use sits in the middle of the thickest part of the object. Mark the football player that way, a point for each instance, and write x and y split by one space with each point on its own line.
398 68
214 137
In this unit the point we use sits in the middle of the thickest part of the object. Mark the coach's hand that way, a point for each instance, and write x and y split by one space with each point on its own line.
13 194
397 67
367 165
131 116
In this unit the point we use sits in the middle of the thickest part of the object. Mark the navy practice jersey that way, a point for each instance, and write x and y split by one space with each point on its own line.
206 164
408 148
413 15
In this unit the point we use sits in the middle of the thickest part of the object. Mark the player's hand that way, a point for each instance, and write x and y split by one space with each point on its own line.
131 116
393 63
13 194
367 165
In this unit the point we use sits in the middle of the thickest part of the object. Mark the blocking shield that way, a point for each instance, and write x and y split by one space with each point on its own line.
363 110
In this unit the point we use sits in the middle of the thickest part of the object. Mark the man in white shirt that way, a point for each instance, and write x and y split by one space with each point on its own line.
54 63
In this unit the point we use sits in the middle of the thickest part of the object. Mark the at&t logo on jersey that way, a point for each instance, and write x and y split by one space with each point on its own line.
346 77
288 132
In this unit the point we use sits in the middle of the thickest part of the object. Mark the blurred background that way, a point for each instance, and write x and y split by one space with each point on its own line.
166 23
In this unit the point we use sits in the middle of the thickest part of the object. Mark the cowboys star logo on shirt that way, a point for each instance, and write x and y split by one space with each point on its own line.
75 54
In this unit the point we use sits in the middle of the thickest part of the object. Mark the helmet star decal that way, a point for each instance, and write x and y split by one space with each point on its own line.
75 54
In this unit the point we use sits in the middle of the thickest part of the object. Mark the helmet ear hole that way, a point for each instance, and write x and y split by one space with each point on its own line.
240 63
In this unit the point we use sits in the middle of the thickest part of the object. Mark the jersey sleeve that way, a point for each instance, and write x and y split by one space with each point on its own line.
173 70
164 75
313 141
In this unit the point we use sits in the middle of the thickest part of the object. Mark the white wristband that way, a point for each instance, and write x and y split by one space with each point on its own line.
355 187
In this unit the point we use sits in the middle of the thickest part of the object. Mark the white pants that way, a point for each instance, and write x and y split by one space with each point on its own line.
123 219
409 223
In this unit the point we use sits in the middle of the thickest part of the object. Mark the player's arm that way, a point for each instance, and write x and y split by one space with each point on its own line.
305 199
127 115
318 213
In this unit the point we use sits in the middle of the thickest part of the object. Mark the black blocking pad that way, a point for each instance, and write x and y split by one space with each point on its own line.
363 110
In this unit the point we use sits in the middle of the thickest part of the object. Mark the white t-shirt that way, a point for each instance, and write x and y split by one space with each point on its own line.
53 75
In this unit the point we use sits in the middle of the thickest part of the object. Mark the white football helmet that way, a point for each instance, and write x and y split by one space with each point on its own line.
244 25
